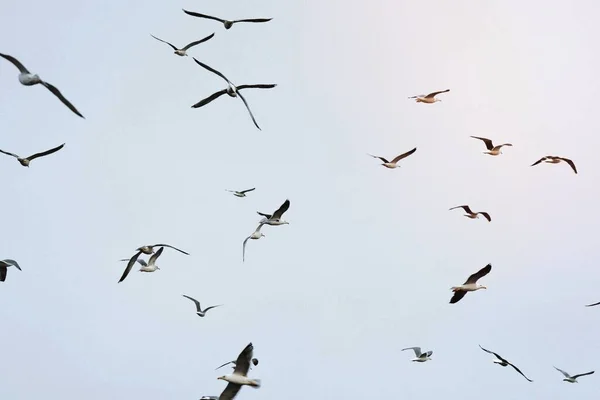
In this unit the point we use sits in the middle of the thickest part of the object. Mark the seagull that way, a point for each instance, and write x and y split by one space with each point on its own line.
257 234
241 193
4 264
228 24
28 79
182 51
471 214
572 379
492 150
275 218
393 164
556 160
25 161
592 305
232 91
470 284
150 267
239 378
254 361
430 98
421 357
149 249
501 361
199 311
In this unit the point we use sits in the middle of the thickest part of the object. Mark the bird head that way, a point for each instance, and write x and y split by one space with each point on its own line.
437 100
255 361
482 287
222 378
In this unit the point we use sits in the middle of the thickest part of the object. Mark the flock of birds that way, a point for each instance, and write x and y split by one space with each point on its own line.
245 359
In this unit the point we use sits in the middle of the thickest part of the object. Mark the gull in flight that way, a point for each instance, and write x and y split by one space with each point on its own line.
492 150
254 361
394 163
257 234
572 379
228 24
501 361
26 160
4 264
28 79
430 98
239 376
182 51
471 214
241 193
232 91
421 357
199 310
555 160
150 267
470 284
275 218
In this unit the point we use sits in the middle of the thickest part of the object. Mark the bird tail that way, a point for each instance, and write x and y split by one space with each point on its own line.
255 383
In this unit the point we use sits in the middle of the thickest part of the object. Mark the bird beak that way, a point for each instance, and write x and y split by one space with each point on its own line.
484 287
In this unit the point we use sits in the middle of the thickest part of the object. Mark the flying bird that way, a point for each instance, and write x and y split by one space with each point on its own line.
232 91
239 376
555 160
257 234
572 379
150 267
209 398
393 164
470 285
24 161
275 218
149 249
28 79
199 311
241 193
430 98
471 214
501 361
254 361
592 305
492 150
227 23
182 51
420 357
4 264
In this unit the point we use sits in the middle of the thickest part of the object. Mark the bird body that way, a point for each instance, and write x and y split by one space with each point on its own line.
572 378
556 160
470 284
239 377
428 99
394 163
226 23
257 234
240 193
199 311
25 161
275 218
149 249
473 215
183 51
491 149
420 357
501 361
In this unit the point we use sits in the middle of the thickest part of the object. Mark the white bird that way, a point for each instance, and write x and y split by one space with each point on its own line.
275 218
227 23
149 249
182 52
28 79
430 98
254 361
492 150
572 379
199 310
255 236
24 161
393 164
232 91
470 285
150 267
4 264
501 361
239 376
420 357
240 193
556 160
471 214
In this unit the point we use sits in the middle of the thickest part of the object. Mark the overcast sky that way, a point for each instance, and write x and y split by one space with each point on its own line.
365 266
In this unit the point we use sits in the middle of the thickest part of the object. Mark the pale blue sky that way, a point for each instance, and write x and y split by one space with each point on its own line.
365 266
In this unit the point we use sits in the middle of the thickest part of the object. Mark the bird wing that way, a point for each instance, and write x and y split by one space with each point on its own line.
571 163
498 356
10 154
502 145
210 98
488 142
249 111
459 294
62 98
198 41
434 93
381 158
401 156
214 71
242 364
592 305
3 270
132 261
257 86
253 20
578 375
247 190
519 371
195 14
230 391
566 374
244 248
171 247
482 272
45 153
284 207
208 308
417 350
464 207
13 263
16 63
198 308
142 262
267 216
154 256
540 160
429 353
221 366
164 41
486 215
